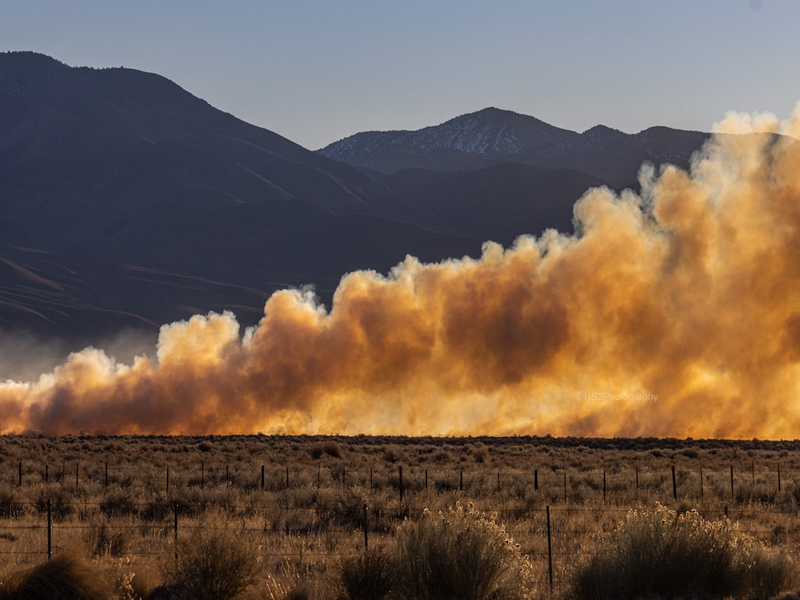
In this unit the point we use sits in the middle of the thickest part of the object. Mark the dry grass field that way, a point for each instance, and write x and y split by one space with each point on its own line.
297 512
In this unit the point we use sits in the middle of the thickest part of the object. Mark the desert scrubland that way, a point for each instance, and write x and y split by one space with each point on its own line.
303 507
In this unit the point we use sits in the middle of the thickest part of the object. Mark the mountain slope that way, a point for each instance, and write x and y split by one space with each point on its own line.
98 118
470 141
125 200
617 156
493 136
498 202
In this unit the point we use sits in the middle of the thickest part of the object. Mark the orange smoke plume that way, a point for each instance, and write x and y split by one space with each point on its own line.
673 312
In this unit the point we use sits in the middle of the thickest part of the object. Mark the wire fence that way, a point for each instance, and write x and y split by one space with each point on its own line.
328 510
738 482
554 537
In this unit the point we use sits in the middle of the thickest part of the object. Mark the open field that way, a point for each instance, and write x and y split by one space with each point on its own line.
305 504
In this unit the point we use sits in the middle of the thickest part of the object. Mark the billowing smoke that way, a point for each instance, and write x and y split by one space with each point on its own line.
673 312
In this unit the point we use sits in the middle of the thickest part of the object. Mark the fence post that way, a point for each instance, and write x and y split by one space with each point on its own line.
287 478
674 485
175 514
498 482
370 478
49 529
426 479
565 487
461 480
549 551
401 483
637 482
536 480
779 477
366 529
262 478
701 484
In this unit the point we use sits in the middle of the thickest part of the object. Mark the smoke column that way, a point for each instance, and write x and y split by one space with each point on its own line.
673 312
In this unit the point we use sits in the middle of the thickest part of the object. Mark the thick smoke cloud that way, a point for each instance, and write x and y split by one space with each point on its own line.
672 312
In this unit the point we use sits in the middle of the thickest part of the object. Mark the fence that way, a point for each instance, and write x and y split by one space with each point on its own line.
734 482
553 537
321 513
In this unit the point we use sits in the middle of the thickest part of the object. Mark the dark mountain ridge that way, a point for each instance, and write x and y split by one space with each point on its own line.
125 201
128 201
492 136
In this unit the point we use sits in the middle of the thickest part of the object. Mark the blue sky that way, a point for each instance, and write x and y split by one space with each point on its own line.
319 70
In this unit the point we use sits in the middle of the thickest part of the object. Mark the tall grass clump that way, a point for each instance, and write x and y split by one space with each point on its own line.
458 554
66 577
660 553
366 576
211 565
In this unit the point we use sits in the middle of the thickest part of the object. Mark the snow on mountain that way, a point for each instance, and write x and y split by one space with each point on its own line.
493 136
471 140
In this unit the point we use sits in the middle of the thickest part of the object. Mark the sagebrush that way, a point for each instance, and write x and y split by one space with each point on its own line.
662 553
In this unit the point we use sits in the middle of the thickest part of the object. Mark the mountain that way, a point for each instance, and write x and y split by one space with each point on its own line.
498 202
470 141
127 201
492 136
617 156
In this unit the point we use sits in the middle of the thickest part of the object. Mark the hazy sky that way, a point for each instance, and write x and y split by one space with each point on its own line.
319 70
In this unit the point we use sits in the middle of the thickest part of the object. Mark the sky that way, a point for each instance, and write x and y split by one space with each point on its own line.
316 71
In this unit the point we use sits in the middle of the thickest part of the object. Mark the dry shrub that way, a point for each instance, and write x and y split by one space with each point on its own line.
459 554
10 507
66 577
118 502
290 582
366 576
662 553
212 565
480 453
331 448
61 503
133 580
102 539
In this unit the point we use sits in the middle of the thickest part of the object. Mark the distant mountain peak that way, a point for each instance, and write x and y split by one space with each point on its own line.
29 59
492 135
493 111
21 67
480 138
603 130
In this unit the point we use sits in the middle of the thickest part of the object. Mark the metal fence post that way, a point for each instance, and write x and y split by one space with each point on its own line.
49 529
366 529
175 514
674 485
549 551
